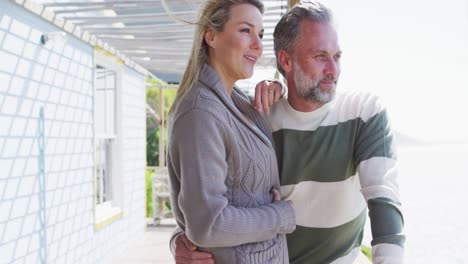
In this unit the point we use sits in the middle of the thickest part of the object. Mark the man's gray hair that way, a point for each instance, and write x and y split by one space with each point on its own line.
287 30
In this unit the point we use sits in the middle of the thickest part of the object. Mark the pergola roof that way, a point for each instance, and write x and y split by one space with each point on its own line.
150 33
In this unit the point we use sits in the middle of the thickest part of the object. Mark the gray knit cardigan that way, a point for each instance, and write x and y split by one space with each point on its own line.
222 170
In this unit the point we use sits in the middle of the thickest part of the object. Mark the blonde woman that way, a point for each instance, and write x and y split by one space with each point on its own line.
221 158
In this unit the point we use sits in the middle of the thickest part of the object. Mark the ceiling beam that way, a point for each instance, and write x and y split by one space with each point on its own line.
142 38
102 3
182 29
146 18
128 18
170 26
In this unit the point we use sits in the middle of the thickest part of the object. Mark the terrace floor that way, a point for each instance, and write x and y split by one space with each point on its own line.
152 248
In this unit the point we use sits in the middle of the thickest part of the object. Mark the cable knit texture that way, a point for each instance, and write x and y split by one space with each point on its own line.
222 169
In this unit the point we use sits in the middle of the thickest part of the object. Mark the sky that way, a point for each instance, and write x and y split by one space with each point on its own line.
414 54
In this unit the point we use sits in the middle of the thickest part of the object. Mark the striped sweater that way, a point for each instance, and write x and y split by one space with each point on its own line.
335 163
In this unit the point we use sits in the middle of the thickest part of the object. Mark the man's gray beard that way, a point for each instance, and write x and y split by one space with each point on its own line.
309 88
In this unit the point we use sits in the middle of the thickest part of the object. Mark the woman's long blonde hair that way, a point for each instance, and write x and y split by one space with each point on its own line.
214 16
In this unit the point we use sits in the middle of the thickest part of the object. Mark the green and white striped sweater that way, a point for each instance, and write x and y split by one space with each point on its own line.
336 162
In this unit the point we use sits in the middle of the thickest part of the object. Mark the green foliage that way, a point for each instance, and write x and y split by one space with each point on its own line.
367 251
152 146
153 99
149 195
153 81
152 125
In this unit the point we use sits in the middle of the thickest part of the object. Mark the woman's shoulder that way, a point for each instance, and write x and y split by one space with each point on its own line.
201 99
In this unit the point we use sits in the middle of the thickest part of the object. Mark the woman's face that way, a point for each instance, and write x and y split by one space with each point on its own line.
234 52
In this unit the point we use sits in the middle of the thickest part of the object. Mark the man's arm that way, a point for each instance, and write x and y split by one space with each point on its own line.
378 173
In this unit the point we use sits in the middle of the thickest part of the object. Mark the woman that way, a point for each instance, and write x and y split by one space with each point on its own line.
221 159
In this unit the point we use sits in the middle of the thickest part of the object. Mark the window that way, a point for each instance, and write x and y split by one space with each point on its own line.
106 143
105 131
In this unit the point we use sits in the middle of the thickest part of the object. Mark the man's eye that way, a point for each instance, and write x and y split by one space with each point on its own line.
321 57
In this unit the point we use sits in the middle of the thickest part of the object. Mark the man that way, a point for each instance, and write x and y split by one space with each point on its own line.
335 151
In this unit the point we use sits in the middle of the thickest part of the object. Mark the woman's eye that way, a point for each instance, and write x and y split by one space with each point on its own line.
246 30
260 36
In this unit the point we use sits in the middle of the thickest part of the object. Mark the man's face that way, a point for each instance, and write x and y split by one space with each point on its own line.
316 62
309 88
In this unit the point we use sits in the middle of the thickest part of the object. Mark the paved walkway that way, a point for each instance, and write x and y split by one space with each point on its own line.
152 248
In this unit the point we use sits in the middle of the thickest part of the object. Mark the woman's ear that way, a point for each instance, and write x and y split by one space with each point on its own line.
285 61
210 38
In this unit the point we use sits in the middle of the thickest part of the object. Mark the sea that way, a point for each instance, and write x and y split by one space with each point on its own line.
434 191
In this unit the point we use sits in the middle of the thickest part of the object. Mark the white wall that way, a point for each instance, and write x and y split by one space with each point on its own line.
59 77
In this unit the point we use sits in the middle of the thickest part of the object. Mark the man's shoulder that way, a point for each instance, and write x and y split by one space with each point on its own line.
363 104
357 97
278 110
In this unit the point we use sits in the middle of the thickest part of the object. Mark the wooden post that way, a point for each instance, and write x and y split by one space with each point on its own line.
291 3
162 152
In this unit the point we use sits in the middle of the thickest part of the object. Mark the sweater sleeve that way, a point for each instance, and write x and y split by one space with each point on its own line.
378 173
199 150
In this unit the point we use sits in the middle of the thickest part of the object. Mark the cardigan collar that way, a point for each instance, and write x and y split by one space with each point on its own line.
238 104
